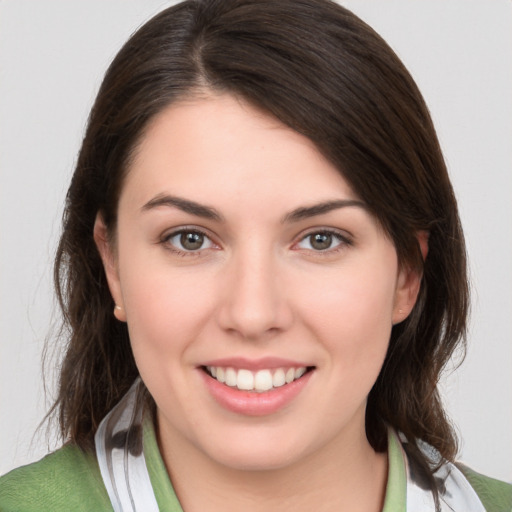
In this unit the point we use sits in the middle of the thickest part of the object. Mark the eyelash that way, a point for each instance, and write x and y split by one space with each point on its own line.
166 242
342 239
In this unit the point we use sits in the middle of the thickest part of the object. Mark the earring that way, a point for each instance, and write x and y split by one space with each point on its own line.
119 313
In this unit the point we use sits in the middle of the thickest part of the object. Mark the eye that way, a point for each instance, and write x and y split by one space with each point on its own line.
188 240
322 241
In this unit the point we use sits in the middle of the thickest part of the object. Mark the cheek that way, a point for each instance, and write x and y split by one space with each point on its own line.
352 314
166 309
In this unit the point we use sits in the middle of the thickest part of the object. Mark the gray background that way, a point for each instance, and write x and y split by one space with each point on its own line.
52 57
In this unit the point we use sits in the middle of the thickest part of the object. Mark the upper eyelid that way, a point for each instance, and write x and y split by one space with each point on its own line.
343 233
165 241
344 238
169 233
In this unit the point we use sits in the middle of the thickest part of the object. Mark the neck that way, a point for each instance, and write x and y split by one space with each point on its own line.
346 474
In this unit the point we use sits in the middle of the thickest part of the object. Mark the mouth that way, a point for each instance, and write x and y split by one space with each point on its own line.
260 381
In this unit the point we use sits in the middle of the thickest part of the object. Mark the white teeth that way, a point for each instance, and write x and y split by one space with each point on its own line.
260 381
231 377
220 374
299 372
245 380
263 380
278 378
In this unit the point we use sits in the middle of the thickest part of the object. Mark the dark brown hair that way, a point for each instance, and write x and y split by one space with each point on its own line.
323 72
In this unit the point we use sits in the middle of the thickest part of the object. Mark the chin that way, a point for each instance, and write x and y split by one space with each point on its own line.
258 452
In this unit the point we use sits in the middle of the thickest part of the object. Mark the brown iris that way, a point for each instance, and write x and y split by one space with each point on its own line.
191 241
321 241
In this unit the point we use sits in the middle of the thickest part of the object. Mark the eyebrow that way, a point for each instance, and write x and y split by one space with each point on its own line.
207 212
321 208
185 205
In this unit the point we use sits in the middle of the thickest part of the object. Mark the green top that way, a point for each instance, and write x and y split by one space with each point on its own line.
70 479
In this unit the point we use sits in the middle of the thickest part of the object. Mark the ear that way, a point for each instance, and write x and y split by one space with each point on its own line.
109 259
408 284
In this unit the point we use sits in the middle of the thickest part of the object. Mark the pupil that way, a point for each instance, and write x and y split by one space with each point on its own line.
321 241
192 241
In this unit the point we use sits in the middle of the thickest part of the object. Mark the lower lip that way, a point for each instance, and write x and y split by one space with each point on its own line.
254 403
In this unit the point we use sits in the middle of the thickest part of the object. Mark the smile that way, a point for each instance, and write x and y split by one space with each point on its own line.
259 381
255 387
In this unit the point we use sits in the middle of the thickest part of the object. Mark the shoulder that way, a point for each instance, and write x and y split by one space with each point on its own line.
495 495
67 479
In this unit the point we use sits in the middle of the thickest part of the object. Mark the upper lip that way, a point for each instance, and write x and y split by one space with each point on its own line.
264 363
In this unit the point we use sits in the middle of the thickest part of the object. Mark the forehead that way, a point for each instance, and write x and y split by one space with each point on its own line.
218 148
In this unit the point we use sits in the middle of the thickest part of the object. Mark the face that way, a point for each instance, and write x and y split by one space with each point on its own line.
259 292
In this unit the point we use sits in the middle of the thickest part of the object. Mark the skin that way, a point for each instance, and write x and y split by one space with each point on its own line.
257 287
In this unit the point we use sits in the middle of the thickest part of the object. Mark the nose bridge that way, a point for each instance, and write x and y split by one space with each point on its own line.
255 303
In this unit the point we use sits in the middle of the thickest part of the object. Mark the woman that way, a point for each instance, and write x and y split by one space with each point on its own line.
260 226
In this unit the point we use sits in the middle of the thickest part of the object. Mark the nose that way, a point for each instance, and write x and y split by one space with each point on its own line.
255 304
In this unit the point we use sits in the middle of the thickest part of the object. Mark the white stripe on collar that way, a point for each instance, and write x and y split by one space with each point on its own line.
120 454
455 492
